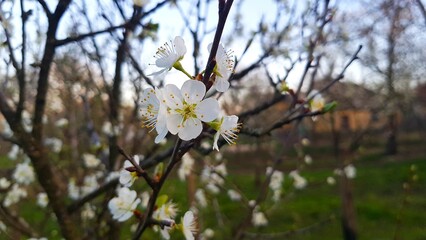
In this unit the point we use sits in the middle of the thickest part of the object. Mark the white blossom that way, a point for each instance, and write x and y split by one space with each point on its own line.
207 234
306 142
317 103
42 200
2 227
122 207
223 69
73 190
234 195
90 183
299 182
24 173
14 195
276 195
187 109
331 180
6 131
308 159
258 218
27 121
4 183
185 167
55 144
13 153
90 160
61 122
168 55
112 175
153 112
228 127
110 130
88 212
167 212
189 226
338 172
277 179
200 196
127 178
350 171
212 188
221 169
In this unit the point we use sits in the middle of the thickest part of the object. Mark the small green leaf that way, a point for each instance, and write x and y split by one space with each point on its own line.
159 170
329 107
161 200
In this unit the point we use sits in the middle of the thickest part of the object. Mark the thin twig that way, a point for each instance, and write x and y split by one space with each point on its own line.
139 170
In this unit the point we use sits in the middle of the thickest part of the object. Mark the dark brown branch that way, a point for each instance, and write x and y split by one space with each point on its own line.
264 106
224 9
80 37
21 73
288 119
45 8
176 156
46 62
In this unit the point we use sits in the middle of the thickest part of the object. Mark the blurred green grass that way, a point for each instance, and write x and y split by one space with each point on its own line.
378 197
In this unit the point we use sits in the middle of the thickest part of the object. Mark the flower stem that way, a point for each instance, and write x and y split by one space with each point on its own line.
178 66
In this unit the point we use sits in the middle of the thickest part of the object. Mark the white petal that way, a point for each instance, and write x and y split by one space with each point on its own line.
207 110
167 62
188 218
125 178
172 96
179 46
124 217
158 73
215 139
229 122
174 122
193 91
192 128
221 84
161 129
161 126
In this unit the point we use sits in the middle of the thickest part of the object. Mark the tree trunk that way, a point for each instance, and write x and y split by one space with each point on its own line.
391 143
348 220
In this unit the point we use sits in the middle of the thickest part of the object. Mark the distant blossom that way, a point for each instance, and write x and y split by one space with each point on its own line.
24 173
122 207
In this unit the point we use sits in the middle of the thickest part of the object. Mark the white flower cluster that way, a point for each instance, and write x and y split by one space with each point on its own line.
90 184
14 195
183 111
276 182
299 182
24 173
349 171
213 177
258 218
